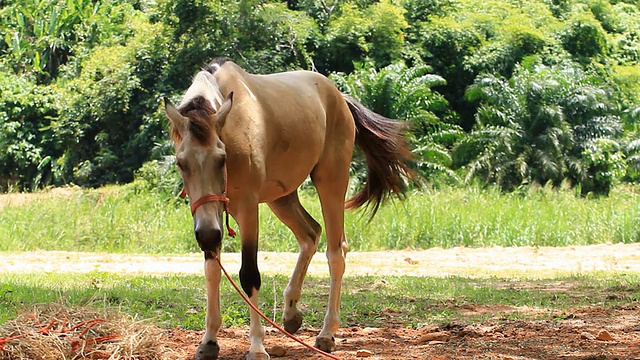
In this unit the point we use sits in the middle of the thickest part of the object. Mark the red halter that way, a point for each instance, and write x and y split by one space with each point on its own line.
211 198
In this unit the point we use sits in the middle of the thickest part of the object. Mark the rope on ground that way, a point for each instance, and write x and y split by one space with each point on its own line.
272 323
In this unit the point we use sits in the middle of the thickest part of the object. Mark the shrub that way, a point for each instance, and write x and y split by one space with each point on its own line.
605 165
584 37
159 176
536 127
375 32
27 114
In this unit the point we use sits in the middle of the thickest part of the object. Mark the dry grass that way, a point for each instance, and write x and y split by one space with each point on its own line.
53 331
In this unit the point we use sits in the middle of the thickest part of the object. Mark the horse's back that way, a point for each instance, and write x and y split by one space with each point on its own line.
295 117
303 91
308 101
301 96
313 110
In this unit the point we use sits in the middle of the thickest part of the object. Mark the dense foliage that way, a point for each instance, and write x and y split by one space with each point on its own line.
503 92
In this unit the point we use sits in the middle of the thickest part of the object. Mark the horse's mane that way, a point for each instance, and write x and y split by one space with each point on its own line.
215 64
200 114
197 109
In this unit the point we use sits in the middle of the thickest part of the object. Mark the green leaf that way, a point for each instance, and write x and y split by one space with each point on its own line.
36 62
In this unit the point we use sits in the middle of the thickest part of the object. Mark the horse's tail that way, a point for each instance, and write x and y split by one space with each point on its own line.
383 142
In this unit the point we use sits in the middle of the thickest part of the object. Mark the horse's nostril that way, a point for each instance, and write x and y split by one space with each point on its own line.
209 238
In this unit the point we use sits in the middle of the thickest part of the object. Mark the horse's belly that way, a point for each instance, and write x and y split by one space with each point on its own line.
274 189
289 164
285 176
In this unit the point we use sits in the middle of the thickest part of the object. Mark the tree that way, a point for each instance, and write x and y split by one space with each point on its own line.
537 126
81 78
108 111
584 38
41 34
374 32
26 110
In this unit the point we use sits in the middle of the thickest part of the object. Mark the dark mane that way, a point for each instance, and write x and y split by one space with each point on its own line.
215 64
200 114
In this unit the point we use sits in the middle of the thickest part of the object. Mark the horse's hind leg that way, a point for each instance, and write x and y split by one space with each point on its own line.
331 179
307 231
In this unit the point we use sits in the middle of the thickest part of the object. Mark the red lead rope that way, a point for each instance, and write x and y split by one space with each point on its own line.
271 322
225 200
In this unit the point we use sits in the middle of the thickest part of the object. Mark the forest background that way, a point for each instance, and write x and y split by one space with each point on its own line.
497 92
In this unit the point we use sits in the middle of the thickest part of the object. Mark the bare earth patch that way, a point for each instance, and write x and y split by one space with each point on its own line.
531 262
564 338
591 333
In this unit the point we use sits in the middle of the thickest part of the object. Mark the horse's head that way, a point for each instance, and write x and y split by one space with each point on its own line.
201 157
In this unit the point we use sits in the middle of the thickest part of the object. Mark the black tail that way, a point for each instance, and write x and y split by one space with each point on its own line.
384 144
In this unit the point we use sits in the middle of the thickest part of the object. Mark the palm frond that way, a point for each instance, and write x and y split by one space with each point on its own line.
633 146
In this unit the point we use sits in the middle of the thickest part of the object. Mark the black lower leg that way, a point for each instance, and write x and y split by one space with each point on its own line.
249 274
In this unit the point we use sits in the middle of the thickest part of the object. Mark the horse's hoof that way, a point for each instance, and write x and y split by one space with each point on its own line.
208 351
326 344
257 356
292 325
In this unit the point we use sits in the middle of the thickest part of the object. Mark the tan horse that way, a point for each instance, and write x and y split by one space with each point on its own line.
244 139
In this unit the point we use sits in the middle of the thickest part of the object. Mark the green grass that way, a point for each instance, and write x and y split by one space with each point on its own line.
475 218
123 221
367 301
120 220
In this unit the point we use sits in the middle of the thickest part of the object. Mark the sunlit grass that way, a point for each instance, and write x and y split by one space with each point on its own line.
108 220
120 220
476 218
178 300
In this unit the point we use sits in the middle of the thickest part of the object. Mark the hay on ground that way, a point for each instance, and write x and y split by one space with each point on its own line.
53 331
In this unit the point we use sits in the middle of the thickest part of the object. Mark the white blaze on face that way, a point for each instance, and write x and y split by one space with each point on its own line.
201 156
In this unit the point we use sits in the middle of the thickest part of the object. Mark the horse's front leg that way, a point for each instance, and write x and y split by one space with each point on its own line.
209 348
250 277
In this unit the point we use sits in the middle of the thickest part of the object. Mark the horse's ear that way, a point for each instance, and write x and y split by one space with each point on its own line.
221 115
178 121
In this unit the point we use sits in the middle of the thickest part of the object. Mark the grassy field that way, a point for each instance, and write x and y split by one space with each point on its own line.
118 219
367 301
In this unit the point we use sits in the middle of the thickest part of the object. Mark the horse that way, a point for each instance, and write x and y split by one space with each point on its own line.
243 139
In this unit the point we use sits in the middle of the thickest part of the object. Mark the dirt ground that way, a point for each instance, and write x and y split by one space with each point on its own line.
586 333
580 334
530 262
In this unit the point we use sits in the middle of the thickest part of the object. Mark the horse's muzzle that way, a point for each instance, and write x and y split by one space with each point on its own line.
209 239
